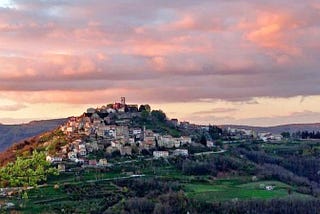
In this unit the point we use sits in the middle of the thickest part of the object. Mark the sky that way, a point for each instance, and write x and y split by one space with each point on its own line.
249 62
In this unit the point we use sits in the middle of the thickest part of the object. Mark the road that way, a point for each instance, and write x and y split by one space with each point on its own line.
116 178
211 152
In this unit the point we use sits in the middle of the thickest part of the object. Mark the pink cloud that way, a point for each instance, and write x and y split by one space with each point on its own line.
199 50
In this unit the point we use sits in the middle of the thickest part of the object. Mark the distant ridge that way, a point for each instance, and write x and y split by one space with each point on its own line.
279 128
10 134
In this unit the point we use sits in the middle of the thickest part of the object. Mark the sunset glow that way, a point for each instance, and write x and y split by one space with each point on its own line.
217 62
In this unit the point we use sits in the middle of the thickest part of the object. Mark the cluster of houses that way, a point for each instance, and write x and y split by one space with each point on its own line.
77 152
108 128
267 137
103 121
239 134
176 152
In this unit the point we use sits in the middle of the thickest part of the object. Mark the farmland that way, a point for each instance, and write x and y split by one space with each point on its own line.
239 175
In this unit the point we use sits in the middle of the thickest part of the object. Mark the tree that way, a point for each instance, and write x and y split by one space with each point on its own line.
215 132
159 115
203 140
27 171
145 107
285 134
144 115
219 143
142 108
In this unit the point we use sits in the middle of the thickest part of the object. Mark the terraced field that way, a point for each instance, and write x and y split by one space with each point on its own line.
237 189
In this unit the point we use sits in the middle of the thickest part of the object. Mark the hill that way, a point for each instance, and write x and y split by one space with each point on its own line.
122 159
280 128
10 134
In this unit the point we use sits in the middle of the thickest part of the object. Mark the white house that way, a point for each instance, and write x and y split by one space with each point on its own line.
177 142
269 188
70 129
82 150
102 162
53 159
166 141
185 140
181 152
72 155
158 154
277 137
79 160
210 144
136 131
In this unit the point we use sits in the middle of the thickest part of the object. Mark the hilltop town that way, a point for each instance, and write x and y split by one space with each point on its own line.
122 129
123 156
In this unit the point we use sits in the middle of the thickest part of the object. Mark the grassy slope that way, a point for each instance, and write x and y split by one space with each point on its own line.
222 190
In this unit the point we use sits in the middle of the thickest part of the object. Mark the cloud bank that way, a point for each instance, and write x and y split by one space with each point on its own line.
158 51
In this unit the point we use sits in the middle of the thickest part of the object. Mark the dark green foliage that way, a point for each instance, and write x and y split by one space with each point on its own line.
196 149
138 205
145 115
282 206
198 168
158 115
203 140
115 154
173 202
213 165
306 135
145 107
285 134
143 187
156 121
215 132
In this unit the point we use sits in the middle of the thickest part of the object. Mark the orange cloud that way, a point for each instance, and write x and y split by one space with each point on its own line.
272 30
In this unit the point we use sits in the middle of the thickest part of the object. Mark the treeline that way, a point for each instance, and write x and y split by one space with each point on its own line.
177 202
300 165
149 196
172 202
149 187
213 165
299 171
302 135
283 206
